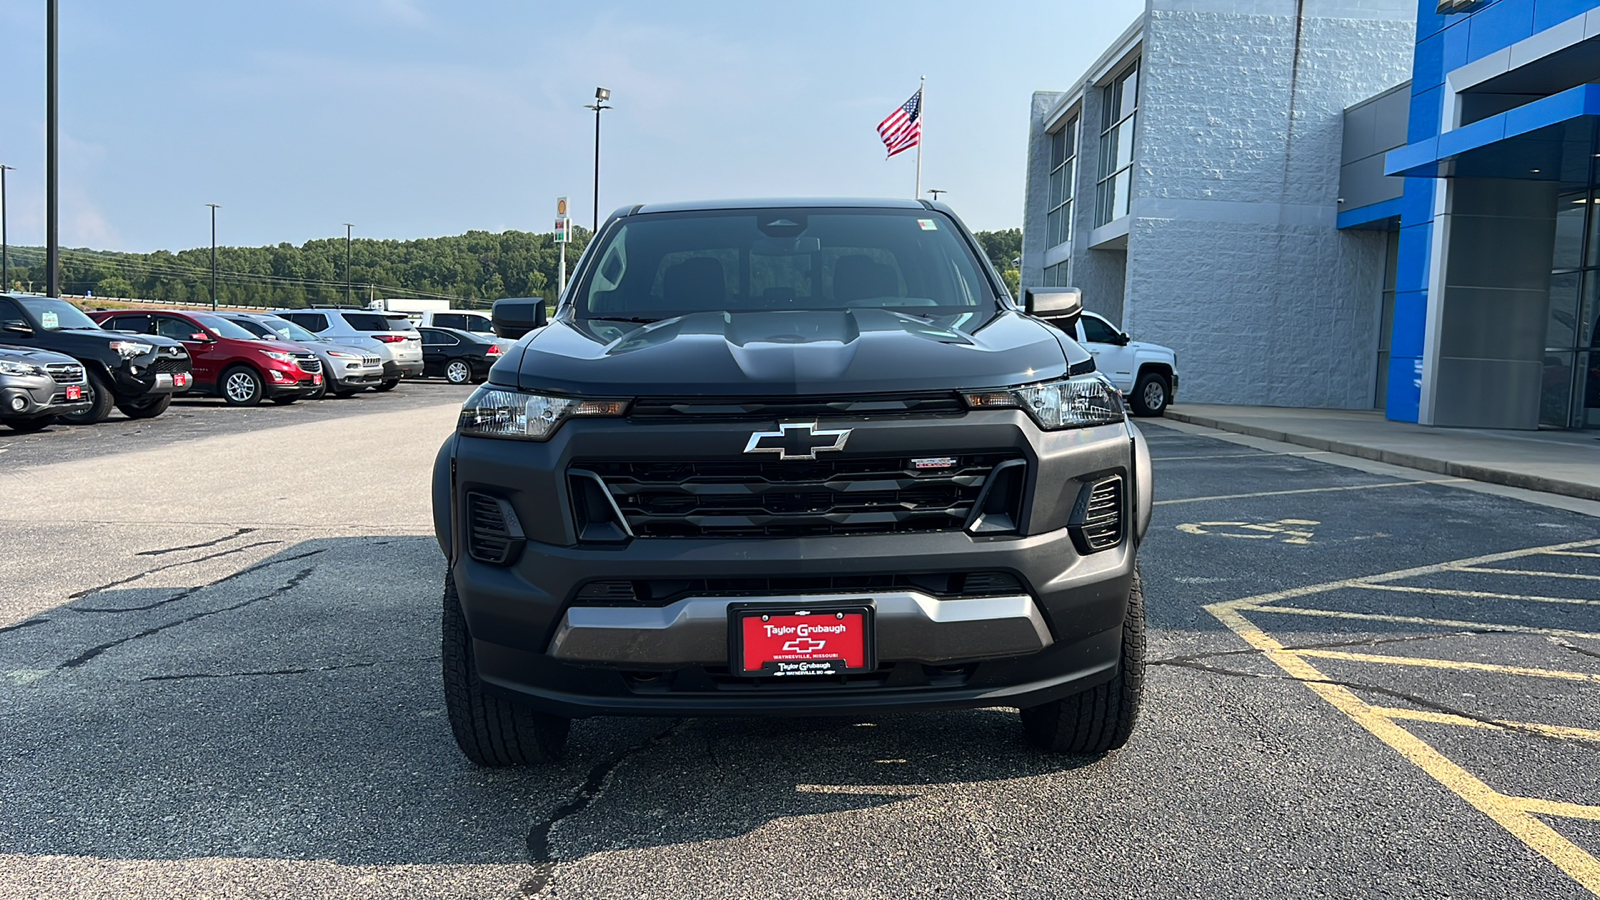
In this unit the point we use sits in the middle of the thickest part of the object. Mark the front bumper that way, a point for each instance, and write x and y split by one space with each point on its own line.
535 639
30 397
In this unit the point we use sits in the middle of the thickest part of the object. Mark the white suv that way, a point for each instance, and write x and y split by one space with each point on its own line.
390 331
1146 373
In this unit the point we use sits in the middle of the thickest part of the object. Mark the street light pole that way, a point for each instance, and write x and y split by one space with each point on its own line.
5 257
213 256
601 95
349 299
52 250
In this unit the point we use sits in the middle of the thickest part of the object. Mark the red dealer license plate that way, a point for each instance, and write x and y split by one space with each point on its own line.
180 379
74 392
826 640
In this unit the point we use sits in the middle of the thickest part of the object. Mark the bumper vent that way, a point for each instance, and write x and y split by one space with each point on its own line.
740 498
1097 518
945 403
494 535
169 364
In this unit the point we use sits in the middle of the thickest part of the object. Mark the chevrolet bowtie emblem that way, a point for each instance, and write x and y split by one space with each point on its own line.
797 440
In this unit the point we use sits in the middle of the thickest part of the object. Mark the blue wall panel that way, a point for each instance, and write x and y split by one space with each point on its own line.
1405 389
1455 46
1547 13
1499 25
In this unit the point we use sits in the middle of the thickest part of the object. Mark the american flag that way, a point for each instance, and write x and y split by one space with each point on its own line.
903 129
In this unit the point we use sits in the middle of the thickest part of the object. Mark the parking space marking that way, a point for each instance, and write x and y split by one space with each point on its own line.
1482 595
1530 572
1461 665
1517 815
1439 718
1321 490
1292 531
1257 455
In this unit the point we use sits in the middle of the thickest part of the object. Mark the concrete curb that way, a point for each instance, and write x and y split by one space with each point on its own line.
1522 480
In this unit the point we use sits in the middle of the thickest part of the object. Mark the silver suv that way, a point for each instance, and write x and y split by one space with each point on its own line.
367 328
37 385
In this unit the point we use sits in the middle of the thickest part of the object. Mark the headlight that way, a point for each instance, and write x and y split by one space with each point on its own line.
340 354
501 413
277 355
20 369
130 349
1076 402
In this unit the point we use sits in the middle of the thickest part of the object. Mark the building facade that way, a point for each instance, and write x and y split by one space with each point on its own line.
1496 216
1189 184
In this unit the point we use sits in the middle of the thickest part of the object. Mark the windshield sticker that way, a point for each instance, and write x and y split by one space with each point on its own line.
928 224
49 320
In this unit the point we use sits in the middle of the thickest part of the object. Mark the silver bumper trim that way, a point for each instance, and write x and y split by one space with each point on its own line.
910 626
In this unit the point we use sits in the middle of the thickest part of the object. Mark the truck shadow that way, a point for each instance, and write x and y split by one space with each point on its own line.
291 709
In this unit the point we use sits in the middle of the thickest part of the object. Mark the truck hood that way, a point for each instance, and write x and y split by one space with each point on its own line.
75 340
793 353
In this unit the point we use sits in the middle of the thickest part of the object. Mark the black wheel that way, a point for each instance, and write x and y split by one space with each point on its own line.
29 426
98 392
386 386
458 371
346 395
147 408
1100 719
1150 394
489 729
285 401
320 393
241 386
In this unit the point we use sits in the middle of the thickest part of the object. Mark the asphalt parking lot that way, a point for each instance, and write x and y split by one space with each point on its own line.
220 677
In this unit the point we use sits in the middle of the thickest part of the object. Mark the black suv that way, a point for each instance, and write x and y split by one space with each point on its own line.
790 457
136 374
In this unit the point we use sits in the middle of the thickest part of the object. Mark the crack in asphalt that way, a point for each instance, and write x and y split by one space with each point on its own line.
189 592
93 652
179 677
27 623
1559 642
594 786
1413 699
221 540
79 595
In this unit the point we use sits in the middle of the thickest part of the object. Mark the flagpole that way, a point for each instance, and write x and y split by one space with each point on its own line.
922 117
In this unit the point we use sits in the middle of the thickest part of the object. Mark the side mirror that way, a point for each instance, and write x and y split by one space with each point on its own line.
202 337
1059 306
1123 339
16 326
516 316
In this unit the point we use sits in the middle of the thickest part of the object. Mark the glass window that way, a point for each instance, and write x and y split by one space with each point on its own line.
50 314
1098 331
371 322
223 328
1063 169
1571 210
1118 118
175 328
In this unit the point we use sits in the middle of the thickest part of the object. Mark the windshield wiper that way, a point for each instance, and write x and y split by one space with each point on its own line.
643 320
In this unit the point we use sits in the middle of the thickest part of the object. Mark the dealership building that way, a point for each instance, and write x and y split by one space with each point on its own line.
1340 203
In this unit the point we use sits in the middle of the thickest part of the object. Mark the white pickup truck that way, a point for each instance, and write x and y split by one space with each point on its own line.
1147 374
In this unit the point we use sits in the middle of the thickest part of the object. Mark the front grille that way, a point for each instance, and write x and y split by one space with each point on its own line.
371 362
1097 518
785 408
308 363
170 364
65 373
661 591
493 532
749 498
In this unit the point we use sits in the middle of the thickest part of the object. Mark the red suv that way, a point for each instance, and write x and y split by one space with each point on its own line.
229 362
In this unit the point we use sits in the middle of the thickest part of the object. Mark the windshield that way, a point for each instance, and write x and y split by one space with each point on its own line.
287 330
377 322
225 328
669 264
50 314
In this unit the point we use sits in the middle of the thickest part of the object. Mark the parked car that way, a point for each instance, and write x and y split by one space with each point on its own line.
1146 373
345 369
37 385
367 328
464 319
461 357
138 377
787 458
229 362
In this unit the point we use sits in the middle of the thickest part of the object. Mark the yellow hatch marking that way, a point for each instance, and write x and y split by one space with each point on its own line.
1533 572
1438 718
1463 624
1486 595
1351 487
1449 664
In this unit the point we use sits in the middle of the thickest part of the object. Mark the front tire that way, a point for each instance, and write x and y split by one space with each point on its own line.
101 399
285 401
459 371
29 426
241 386
1151 393
146 409
1100 719
387 385
490 730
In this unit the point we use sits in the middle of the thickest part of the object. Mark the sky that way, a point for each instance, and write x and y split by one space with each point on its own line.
419 118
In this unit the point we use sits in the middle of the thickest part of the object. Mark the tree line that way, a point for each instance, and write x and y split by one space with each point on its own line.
471 269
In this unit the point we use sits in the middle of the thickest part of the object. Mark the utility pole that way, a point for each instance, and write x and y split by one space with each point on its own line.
601 95
349 299
5 259
52 204
213 256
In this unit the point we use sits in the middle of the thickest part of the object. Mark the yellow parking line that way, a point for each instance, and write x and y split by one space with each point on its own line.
1459 665
1509 812
1438 718
1352 487
1485 595
1572 553
1534 572
1458 624
1557 808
